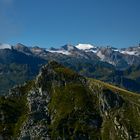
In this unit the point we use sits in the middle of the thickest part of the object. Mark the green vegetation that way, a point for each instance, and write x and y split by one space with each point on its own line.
126 116
14 110
72 109
122 92
68 73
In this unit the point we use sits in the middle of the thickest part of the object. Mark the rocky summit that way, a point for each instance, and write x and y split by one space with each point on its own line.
59 104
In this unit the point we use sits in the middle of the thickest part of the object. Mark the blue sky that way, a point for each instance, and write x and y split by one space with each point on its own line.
52 23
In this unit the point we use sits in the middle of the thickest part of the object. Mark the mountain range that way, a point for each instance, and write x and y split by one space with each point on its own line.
120 67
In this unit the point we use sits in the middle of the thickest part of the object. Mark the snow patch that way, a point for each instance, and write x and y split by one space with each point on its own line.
116 50
5 46
59 51
94 51
84 46
129 52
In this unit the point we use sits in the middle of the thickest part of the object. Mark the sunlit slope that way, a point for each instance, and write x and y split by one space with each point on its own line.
121 119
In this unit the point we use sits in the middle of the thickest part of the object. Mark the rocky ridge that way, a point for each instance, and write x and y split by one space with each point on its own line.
60 104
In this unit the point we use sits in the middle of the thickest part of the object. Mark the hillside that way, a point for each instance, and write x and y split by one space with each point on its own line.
60 104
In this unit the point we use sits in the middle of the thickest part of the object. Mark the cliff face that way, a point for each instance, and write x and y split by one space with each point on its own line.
60 104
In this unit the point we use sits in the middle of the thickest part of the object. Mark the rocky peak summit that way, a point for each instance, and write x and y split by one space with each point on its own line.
57 74
69 47
22 48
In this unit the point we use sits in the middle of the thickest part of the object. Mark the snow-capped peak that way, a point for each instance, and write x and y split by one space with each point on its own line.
5 46
84 46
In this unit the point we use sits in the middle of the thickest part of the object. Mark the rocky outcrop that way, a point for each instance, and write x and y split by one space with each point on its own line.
109 100
36 127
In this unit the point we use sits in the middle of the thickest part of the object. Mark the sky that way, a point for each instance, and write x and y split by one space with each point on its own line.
53 23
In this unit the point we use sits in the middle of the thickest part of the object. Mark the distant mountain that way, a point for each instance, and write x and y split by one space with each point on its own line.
61 104
120 58
17 67
104 63
135 50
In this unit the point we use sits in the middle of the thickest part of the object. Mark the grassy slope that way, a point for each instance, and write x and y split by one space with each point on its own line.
125 93
15 110
127 116
71 107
